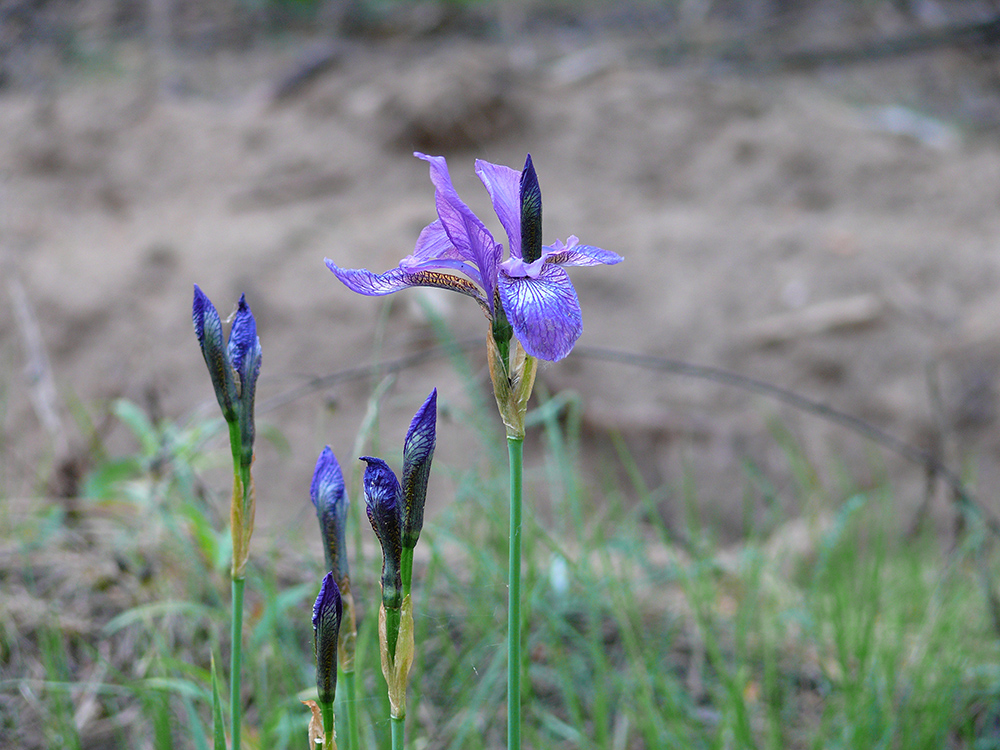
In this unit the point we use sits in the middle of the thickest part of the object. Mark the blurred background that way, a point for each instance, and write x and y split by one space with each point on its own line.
805 193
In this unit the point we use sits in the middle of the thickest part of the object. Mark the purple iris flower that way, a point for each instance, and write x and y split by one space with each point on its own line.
530 289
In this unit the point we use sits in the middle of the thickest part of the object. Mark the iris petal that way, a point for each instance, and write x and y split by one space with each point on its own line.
544 312
504 187
363 281
466 232
574 254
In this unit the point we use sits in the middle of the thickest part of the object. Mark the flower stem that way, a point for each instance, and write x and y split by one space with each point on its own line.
515 452
327 712
406 569
392 617
235 663
351 703
398 725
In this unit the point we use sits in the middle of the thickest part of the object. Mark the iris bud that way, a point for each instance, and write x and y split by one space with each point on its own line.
382 501
418 451
329 496
326 630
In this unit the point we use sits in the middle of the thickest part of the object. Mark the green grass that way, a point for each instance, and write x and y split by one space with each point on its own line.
864 638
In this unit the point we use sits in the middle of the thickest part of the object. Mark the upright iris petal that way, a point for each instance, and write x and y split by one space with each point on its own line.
531 214
327 612
329 496
418 451
383 498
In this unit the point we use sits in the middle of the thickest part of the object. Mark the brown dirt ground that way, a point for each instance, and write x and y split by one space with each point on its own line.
816 230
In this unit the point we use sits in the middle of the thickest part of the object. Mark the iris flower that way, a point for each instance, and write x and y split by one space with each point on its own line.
530 290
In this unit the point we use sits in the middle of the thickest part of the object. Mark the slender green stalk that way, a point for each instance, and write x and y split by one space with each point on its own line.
406 569
351 703
327 711
397 732
515 451
235 662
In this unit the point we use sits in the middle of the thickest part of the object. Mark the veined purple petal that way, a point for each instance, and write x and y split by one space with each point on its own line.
544 312
467 233
504 187
575 254
434 244
363 281
434 250
418 451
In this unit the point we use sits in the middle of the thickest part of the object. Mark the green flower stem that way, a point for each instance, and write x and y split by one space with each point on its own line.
392 617
398 725
515 451
406 569
327 711
351 703
235 663
235 444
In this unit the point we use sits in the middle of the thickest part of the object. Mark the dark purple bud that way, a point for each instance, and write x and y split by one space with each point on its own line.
245 355
326 632
531 214
329 496
383 501
418 450
208 329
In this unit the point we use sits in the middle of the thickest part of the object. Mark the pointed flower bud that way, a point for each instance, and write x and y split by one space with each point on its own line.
208 329
329 496
233 367
383 500
245 356
326 630
531 214
418 450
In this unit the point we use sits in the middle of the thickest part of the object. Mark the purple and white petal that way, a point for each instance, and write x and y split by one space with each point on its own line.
544 312
575 254
517 268
504 187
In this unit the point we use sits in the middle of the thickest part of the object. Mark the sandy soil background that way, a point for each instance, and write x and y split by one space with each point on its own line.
832 231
